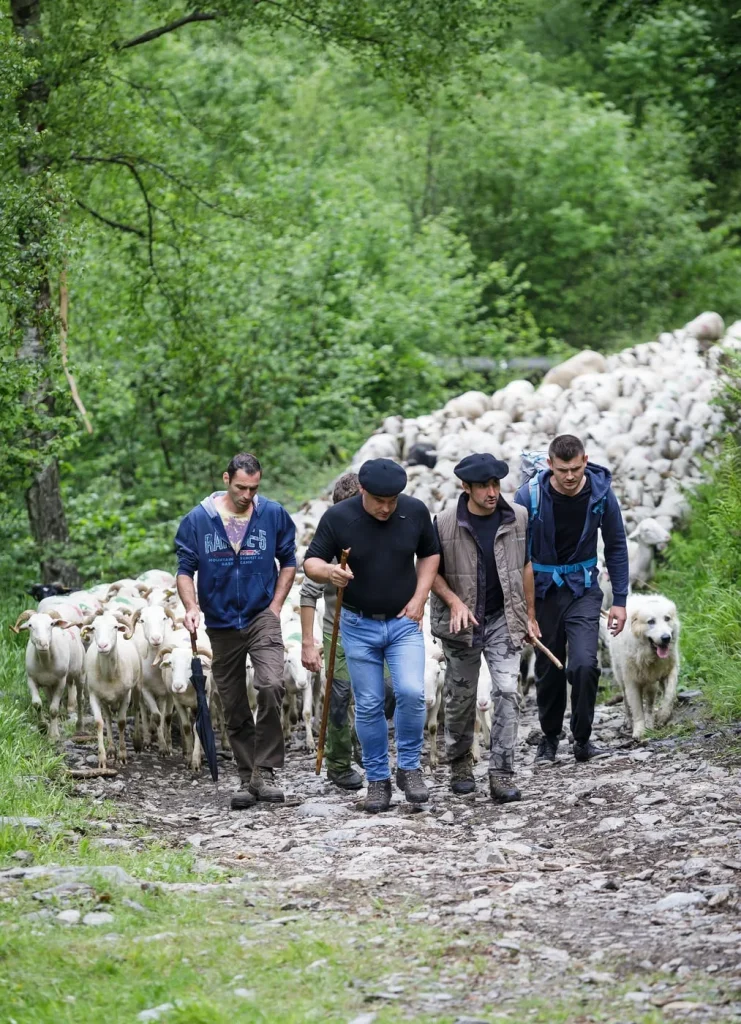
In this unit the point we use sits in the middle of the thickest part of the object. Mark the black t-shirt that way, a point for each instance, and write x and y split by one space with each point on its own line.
485 528
569 516
382 555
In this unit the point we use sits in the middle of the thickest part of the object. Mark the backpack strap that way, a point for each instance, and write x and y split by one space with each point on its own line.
534 487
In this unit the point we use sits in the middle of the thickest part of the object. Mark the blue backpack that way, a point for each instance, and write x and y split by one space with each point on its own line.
531 464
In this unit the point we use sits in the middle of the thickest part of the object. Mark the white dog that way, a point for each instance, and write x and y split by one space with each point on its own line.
645 660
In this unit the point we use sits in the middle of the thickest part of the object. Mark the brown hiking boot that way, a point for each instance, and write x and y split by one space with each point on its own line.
264 786
412 782
243 798
503 789
461 775
379 796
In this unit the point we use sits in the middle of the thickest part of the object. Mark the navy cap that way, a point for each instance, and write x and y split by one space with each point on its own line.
477 469
382 477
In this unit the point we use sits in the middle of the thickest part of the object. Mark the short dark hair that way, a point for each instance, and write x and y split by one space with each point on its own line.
244 461
565 447
346 487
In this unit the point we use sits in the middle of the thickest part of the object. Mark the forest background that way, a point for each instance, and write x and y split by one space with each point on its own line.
267 226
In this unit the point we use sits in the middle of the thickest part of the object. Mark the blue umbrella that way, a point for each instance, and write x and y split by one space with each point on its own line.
203 715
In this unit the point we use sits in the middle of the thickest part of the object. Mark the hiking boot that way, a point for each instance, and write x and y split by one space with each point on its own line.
587 751
461 775
264 786
503 789
379 796
345 778
547 749
412 782
243 798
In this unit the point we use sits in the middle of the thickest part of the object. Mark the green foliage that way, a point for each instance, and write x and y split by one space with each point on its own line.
703 576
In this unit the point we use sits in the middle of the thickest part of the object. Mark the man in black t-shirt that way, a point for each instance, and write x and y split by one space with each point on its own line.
383 605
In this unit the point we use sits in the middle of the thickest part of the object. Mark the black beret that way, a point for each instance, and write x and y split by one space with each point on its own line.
382 477
477 469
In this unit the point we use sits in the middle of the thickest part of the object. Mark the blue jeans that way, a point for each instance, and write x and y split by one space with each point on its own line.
366 643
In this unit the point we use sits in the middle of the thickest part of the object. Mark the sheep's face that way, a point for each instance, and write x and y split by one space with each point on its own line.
655 623
40 626
154 623
432 672
105 631
178 661
652 533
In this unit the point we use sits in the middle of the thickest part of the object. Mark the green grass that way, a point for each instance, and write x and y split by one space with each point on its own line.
702 574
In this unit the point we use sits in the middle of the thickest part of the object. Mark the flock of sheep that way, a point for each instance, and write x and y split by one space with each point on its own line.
646 413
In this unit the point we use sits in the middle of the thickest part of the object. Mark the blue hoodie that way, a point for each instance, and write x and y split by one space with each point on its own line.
233 588
542 532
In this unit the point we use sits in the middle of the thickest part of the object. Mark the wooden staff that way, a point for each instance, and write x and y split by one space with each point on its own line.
549 654
330 667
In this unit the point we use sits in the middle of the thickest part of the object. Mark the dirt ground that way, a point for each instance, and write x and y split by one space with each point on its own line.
623 871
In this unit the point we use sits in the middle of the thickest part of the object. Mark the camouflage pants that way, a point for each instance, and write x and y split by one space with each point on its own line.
338 750
459 693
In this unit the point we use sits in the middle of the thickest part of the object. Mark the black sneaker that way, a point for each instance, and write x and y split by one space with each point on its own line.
379 796
503 790
461 775
412 782
547 749
587 751
345 778
243 798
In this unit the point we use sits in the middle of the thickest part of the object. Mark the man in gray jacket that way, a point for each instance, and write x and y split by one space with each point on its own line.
483 602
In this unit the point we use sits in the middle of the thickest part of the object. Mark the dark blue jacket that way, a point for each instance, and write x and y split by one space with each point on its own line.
233 588
542 533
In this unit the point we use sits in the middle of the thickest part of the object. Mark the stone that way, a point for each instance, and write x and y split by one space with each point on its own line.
245 993
447 818
96 918
319 810
610 824
490 856
13 821
681 900
364 1018
68 917
23 856
155 1013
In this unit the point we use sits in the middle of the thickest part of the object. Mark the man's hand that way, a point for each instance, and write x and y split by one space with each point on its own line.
533 629
311 657
616 620
415 609
461 616
340 577
192 619
276 611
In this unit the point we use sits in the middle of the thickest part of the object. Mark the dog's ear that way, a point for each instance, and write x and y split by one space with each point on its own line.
636 624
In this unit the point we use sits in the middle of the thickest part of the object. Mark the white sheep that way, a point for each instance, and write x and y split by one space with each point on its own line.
152 629
643 543
113 674
583 362
176 666
53 660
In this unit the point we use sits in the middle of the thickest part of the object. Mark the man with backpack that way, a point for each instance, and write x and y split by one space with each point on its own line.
483 602
568 503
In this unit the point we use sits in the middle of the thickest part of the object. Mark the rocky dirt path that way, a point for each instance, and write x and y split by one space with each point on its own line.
625 869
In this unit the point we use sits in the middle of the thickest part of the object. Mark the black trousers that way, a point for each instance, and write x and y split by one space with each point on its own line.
572 623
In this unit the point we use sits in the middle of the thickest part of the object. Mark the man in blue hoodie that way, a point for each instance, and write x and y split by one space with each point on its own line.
233 539
568 503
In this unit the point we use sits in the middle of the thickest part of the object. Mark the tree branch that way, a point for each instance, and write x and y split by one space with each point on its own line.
111 223
123 162
155 33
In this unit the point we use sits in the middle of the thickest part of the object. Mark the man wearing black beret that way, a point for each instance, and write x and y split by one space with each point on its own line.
385 596
483 603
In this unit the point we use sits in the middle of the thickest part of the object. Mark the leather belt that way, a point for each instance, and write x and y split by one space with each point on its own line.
366 615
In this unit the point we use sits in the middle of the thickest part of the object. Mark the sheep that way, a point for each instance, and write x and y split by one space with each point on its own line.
63 608
175 664
643 542
53 661
152 629
113 674
482 724
298 681
156 578
434 679
706 327
470 405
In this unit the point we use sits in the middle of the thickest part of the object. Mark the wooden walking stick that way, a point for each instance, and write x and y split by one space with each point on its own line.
549 654
330 667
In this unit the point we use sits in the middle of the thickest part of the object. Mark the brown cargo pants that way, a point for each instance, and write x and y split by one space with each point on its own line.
255 744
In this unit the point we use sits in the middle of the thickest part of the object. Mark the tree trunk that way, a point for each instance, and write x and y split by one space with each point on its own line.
43 498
